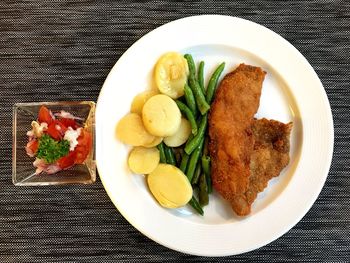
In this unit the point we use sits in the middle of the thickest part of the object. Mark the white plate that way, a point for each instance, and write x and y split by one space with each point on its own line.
291 92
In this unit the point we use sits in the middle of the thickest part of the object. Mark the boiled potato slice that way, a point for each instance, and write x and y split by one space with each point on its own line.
155 142
140 99
171 73
143 160
161 116
170 186
181 135
130 130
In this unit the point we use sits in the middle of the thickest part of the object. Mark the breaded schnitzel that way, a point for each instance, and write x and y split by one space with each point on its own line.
245 153
269 157
230 130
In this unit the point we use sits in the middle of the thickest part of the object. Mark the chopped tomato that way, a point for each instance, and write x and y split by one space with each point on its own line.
80 152
45 115
56 130
33 146
69 123
67 161
84 146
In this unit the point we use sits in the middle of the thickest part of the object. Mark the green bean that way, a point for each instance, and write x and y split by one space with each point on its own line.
169 154
185 110
190 137
206 164
191 166
196 206
201 76
178 152
191 65
201 102
190 100
206 170
213 82
184 161
197 174
206 146
203 191
191 144
161 152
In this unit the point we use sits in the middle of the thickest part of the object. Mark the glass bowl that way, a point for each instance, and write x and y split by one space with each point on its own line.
23 171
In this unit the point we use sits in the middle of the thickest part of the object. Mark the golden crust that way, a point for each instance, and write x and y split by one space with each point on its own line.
246 153
230 132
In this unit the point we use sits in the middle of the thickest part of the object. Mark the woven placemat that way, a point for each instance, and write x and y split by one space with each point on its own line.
63 50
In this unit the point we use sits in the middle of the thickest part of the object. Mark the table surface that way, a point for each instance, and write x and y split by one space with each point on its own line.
63 50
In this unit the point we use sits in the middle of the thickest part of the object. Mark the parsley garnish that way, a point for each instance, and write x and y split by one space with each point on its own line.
51 150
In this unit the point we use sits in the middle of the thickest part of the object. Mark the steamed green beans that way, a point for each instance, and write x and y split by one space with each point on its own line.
213 83
201 102
184 161
190 63
185 110
197 173
206 169
190 100
196 206
195 161
191 166
203 191
201 76
169 154
194 142
161 152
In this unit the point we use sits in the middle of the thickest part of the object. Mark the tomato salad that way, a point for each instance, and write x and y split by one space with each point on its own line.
58 141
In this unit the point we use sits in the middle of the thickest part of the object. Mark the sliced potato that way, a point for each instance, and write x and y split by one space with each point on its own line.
143 160
181 135
140 99
170 186
130 130
161 116
155 142
171 73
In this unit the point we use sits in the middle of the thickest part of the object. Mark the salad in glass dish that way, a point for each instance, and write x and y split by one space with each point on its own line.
57 141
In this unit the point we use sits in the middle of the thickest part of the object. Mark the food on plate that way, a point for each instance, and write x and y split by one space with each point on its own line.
201 75
230 120
58 141
213 83
171 73
161 116
199 96
242 155
270 155
140 100
169 186
155 142
181 136
190 115
194 142
244 152
143 160
203 190
178 128
130 130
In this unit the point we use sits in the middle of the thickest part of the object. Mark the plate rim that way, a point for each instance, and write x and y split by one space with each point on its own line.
326 104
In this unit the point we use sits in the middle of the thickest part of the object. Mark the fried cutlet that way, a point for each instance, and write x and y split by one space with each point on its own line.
270 155
230 130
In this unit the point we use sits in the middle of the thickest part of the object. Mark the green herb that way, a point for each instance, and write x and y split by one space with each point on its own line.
51 150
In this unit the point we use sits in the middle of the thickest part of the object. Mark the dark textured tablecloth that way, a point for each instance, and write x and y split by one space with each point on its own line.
63 50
